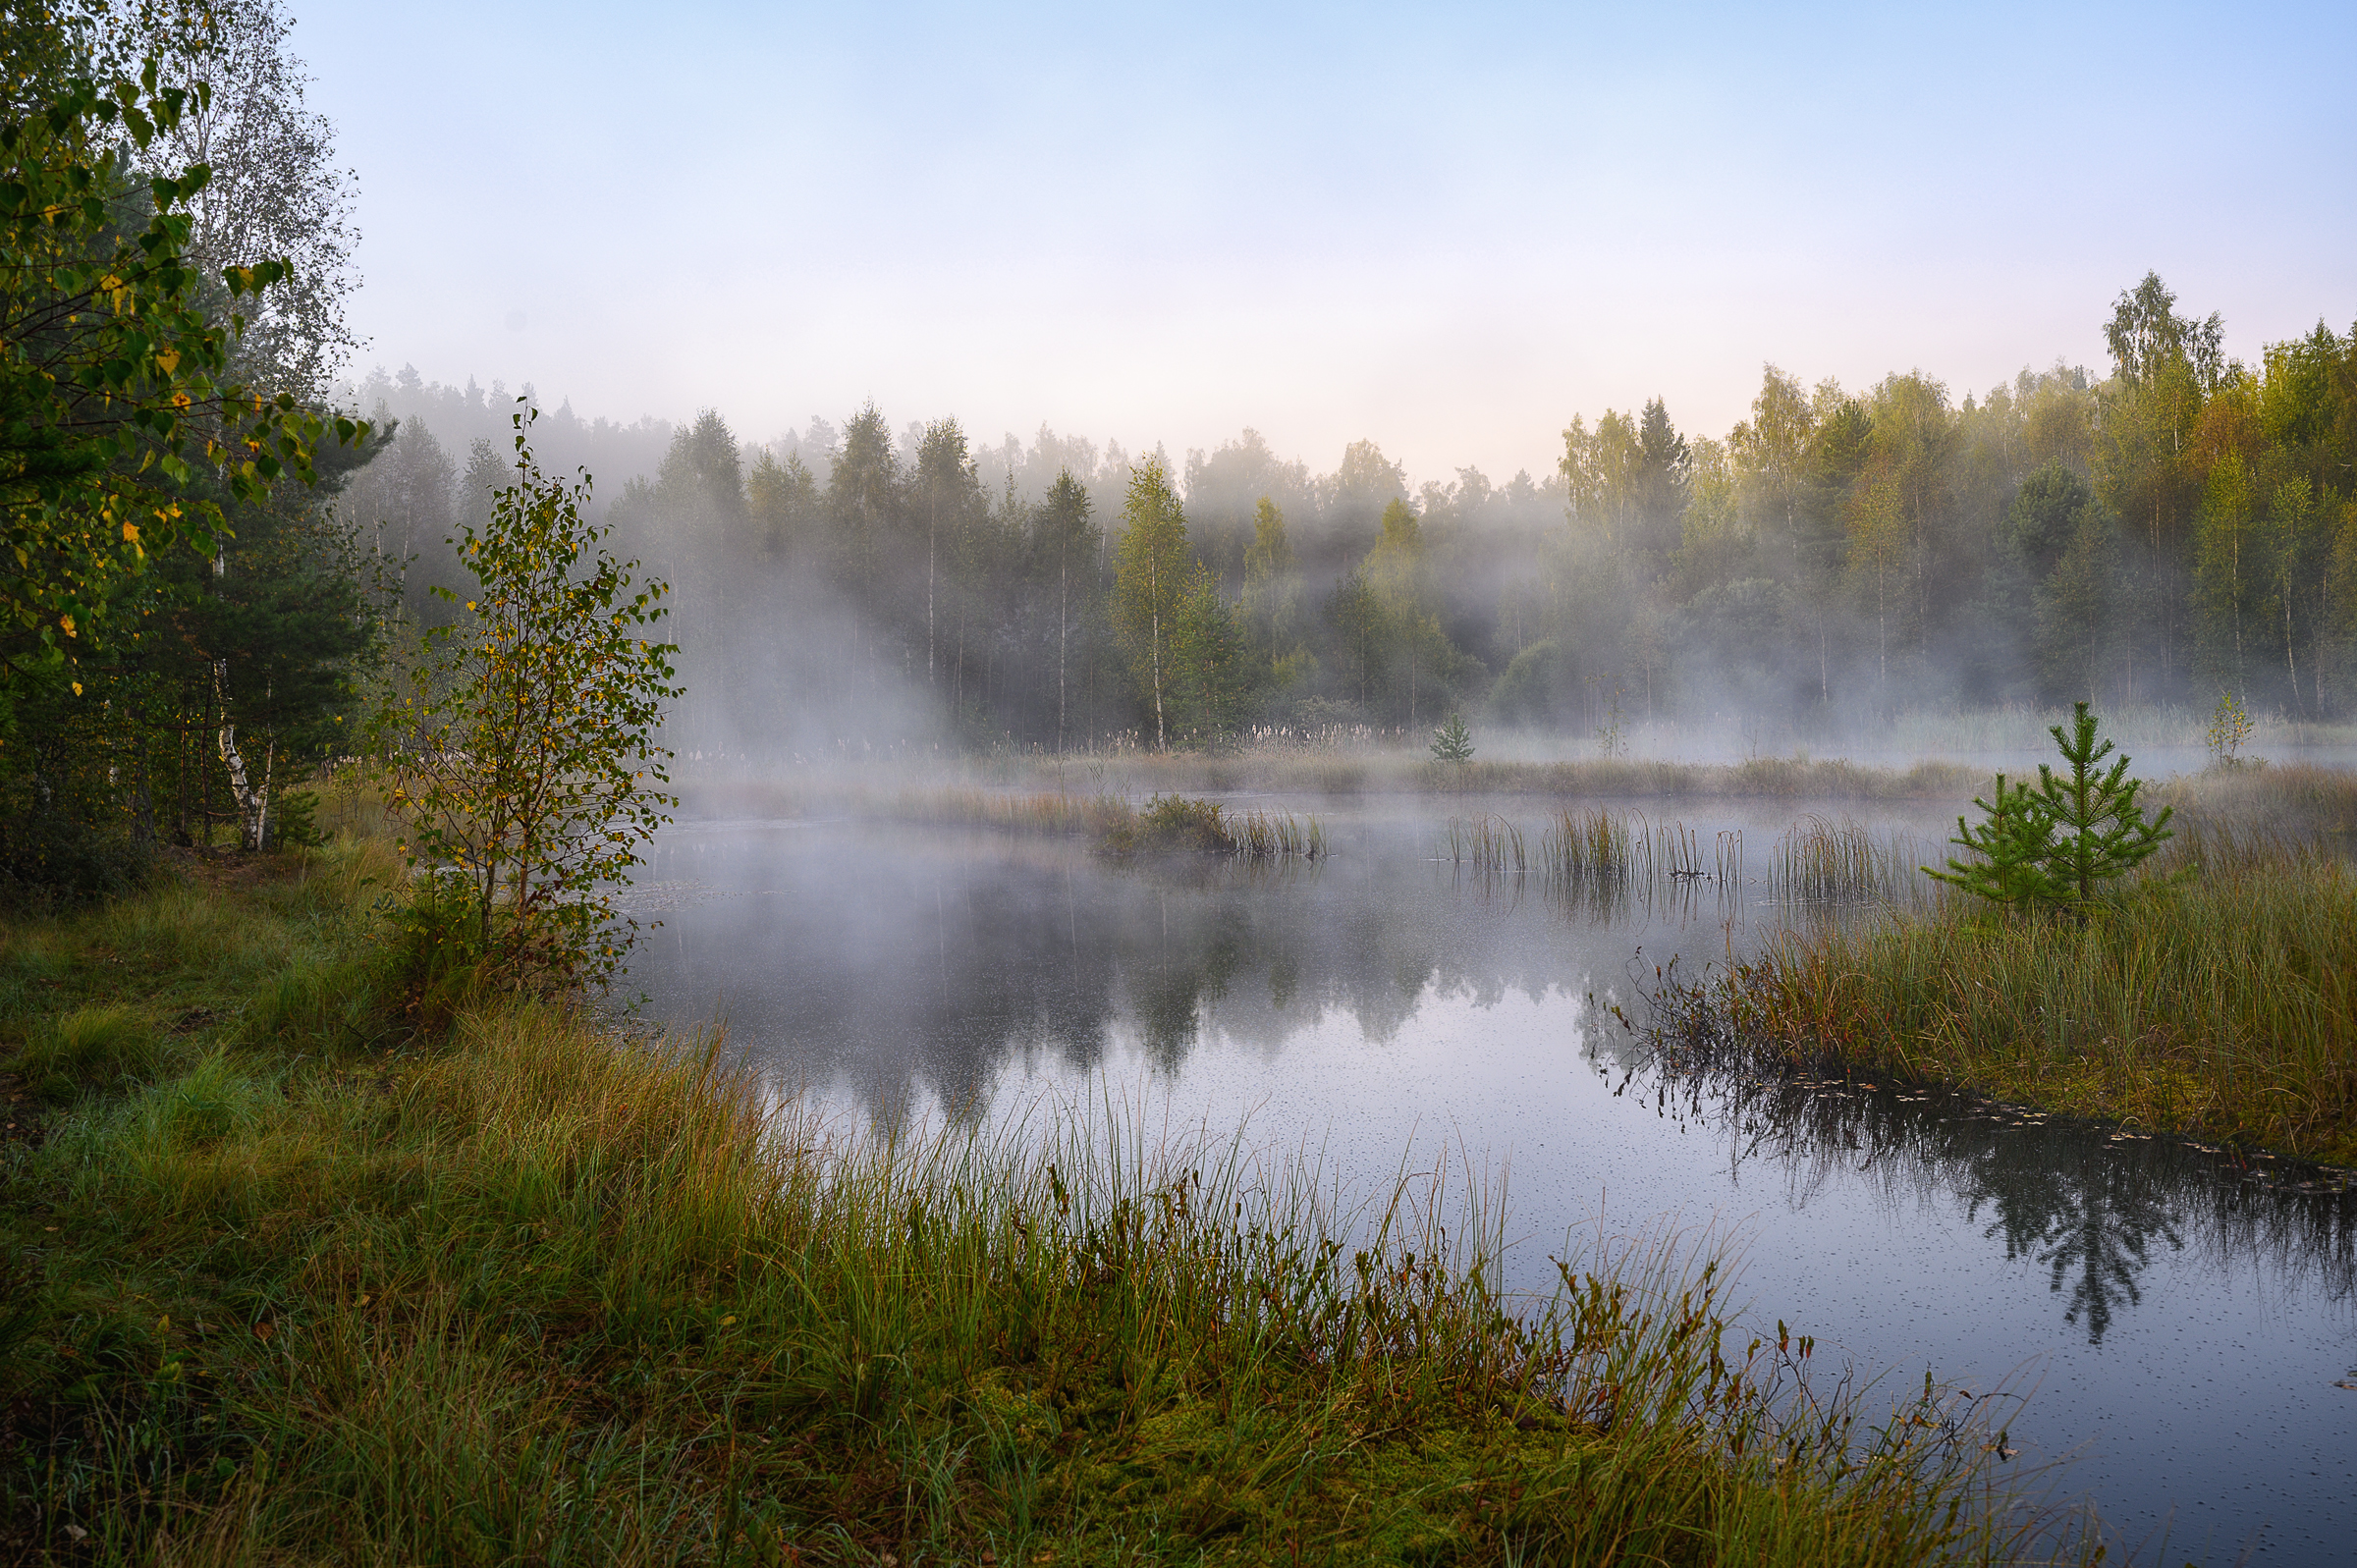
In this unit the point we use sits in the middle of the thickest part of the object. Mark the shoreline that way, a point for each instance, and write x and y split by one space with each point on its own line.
378 1261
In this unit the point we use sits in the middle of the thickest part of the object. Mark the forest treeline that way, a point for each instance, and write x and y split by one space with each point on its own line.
2180 528
2175 529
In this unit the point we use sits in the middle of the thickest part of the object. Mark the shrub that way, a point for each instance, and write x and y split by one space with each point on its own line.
1178 822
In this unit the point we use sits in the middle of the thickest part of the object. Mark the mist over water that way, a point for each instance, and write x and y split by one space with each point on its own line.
2179 1324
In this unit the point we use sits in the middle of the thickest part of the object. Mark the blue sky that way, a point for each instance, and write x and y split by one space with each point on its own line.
1446 230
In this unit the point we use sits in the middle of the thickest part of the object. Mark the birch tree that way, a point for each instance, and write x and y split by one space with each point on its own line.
527 762
1150 583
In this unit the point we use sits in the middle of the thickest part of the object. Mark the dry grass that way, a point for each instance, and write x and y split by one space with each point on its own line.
892 792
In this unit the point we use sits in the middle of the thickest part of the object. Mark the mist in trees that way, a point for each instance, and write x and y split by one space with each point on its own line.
2176 529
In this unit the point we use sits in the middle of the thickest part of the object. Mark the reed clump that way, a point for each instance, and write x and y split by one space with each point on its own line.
1598 844
342 1288
1846 860
1488 844
1275 835
2219 1000
1591 844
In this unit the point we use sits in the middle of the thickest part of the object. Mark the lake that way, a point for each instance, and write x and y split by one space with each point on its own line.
2184 1329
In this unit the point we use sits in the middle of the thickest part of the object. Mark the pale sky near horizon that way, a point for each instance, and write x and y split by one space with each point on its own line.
1446 230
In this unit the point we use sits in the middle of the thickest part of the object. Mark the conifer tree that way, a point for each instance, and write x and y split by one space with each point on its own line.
2098 825
2058 842
1453 741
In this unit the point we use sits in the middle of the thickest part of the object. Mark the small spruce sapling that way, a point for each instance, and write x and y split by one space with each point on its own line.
1453 741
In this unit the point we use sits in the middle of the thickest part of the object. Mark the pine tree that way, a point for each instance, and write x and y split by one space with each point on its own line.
2100 826
2011 847
1453 741
2055 843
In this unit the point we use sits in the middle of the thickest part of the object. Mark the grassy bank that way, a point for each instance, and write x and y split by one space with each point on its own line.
1078 795
311 1258
2217 998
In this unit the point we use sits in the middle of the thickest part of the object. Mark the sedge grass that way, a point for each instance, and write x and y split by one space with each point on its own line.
522 1288
2219 1000
1275 835
1817 859
1598 844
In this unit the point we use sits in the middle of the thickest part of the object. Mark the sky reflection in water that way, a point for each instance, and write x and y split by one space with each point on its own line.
2184 1322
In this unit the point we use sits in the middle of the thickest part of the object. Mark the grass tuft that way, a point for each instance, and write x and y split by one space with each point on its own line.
99 1044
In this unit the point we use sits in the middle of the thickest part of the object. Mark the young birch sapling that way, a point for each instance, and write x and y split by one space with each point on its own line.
527 763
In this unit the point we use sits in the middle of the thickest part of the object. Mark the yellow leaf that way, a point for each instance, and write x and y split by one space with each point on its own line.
67 621
78 688
130 533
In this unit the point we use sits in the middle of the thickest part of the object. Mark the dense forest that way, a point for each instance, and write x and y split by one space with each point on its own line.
2183 527
2180 527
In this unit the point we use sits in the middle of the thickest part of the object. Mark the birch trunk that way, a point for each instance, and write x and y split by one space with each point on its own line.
254 805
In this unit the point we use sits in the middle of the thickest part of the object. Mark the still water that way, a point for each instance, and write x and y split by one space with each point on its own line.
2185 1330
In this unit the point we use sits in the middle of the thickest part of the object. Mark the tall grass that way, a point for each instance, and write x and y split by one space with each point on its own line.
1273 835
2219 1000
909 792
1594 845
1037 812
525 1290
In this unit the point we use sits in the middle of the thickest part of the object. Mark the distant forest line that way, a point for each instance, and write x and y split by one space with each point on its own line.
2180 528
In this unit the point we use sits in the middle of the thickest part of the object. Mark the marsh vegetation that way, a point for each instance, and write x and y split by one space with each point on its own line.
2205 992
560 1291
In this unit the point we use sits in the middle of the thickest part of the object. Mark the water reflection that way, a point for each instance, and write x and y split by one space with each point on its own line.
2090 1205
913 968
906 966
2190 1314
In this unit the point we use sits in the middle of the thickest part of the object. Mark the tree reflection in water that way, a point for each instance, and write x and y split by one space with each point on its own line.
2090 1205
2088 1215
900 965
